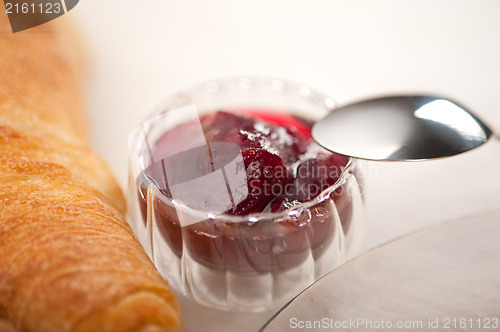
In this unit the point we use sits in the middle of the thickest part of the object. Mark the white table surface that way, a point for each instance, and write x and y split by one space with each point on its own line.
436 279
143 51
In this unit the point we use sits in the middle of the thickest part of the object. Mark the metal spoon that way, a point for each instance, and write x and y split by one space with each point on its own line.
401 128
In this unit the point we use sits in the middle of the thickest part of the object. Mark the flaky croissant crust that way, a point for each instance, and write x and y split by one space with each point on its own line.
68 260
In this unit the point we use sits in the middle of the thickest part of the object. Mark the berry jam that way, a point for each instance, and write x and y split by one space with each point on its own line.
284 168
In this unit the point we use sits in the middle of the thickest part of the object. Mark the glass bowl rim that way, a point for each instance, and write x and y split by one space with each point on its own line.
312 94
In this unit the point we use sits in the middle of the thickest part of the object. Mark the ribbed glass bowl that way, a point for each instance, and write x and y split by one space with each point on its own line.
242 263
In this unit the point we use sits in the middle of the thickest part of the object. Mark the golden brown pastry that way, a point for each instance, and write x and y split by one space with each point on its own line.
68 260
6 326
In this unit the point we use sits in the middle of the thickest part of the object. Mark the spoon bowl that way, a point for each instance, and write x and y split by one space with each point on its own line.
401 128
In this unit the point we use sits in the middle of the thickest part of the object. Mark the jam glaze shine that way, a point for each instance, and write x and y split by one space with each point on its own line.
284 168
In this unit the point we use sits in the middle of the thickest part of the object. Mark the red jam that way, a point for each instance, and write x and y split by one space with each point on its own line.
284 167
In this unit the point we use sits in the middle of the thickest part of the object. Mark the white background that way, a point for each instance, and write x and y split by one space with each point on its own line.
142 51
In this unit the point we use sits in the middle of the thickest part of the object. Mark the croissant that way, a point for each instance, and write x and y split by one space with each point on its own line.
68 260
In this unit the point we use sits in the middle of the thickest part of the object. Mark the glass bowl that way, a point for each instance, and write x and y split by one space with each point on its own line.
251 262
